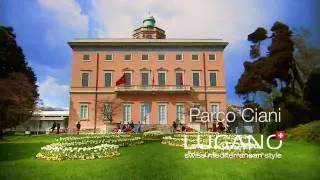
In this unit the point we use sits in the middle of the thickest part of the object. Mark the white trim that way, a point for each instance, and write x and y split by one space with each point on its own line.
86 53
216 72
197 55
124 40
183 116
108 54
166 105
111 72
183 79
145 54
198 72
214 103
175 57
148 77
124 55
86 91
89 73
112 91
87 113
165 77
164 54
149 105
215 56
123 105
130 75
211 90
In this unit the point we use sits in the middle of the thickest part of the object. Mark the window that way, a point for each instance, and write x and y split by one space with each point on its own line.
196 78
180 112
179 79
86 57
145 57
214 109
85 79
145 112
144 78
84 113
108 57
126 113
127 57
161 78
108 79
212 57
179 57
128 78
213 78
107 111
195 57
161 57
162 112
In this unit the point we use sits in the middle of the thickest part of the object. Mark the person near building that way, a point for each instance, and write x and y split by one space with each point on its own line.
78 127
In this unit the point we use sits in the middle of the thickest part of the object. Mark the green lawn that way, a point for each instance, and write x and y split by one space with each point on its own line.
154 160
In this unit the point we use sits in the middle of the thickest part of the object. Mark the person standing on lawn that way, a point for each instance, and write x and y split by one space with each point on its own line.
54 125
58 128
131 125
174 126
139 127
78 127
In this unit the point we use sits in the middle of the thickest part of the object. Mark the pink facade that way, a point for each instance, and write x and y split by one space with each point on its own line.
154 93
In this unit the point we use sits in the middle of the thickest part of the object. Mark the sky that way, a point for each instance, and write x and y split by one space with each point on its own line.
43 28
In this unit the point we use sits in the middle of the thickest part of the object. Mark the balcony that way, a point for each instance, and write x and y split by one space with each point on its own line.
153 89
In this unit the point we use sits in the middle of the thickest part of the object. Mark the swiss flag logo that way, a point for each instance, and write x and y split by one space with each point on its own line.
280 135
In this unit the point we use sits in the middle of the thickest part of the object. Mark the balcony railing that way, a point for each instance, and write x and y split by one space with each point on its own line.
168 88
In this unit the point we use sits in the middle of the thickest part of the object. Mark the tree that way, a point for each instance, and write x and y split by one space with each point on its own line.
306 54
277 69
17 82
312 96
281 73
109 108
16 101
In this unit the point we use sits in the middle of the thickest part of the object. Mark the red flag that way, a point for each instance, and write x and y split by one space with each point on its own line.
122 80
181 80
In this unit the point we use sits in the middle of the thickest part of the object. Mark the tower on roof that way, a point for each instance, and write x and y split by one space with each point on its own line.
148 30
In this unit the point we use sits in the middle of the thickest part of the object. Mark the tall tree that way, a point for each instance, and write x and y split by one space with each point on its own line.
17 82
277 69
283 69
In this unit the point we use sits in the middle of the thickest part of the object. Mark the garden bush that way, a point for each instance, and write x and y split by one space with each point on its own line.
309 132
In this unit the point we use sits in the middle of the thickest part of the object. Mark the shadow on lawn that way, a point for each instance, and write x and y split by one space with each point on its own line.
18 151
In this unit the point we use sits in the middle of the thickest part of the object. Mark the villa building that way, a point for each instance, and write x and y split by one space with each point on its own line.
147 78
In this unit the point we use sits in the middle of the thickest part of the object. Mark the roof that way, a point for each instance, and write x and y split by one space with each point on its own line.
149 21
146 42
51 113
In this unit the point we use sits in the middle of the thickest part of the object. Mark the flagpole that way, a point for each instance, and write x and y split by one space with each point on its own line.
205 84
96 96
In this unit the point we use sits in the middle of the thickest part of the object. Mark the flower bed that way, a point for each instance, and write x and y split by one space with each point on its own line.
153 135
87 147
